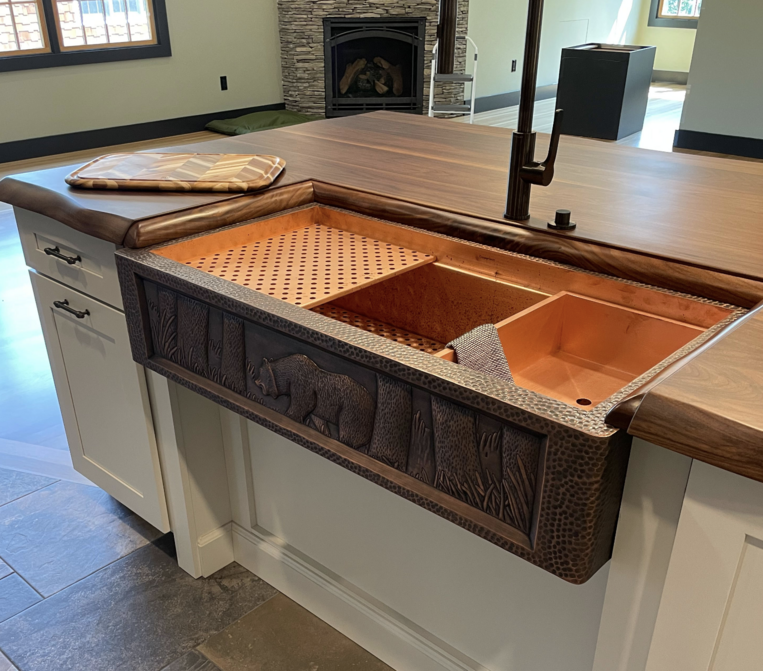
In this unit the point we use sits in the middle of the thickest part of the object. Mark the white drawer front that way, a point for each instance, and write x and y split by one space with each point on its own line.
103 397
88 264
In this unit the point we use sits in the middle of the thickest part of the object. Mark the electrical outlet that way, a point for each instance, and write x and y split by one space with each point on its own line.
514 66
223 83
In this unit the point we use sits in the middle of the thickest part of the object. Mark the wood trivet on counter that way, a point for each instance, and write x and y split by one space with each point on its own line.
234 173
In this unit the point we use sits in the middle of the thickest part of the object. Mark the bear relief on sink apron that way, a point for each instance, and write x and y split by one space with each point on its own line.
480 461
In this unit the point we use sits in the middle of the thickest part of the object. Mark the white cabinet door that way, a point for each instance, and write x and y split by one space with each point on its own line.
711 613
103 397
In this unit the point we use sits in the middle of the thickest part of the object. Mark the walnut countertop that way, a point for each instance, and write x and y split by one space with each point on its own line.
679 221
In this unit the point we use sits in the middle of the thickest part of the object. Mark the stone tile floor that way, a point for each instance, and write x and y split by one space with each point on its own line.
86 584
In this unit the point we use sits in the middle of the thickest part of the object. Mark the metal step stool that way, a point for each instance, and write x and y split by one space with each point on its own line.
453 79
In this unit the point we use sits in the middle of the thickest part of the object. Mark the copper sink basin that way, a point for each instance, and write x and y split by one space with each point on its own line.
573 336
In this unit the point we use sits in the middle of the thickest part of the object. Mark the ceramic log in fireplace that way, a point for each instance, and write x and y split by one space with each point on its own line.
374 64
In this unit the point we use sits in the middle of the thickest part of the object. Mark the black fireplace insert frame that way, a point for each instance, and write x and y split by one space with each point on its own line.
411 30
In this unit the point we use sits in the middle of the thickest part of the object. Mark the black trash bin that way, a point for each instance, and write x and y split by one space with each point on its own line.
604 89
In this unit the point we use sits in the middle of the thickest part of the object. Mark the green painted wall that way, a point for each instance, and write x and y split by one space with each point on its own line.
674 45
237 38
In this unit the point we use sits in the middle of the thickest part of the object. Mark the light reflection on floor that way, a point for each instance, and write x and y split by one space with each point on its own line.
663 116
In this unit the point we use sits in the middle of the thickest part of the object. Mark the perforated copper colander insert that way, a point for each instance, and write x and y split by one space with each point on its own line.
311 265
383 329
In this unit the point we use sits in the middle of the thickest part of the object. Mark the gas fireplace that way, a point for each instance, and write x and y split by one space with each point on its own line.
374 64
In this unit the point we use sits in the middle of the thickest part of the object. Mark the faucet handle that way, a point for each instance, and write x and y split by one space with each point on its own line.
543 173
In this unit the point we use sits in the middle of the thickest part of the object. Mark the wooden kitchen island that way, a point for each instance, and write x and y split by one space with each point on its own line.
193 446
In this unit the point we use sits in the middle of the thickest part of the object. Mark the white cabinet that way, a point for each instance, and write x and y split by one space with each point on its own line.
101 390
76 259
712 606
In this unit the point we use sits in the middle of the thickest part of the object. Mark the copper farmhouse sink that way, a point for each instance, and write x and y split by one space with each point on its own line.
331 328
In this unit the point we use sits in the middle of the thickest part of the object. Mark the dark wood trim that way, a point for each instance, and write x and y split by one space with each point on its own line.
58 58
110 227
511 99
670 77
215 215
750 147
657 21
104 137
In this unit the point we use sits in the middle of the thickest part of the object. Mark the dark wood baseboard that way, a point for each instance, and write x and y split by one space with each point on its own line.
105 137
670 77
501 100
749 147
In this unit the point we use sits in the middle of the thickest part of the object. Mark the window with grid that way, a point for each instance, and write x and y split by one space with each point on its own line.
679 9
79 25
83 24
22 28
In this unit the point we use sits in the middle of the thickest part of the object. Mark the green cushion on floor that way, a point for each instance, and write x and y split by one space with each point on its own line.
251 123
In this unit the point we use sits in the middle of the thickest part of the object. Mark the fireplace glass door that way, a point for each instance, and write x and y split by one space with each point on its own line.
374 64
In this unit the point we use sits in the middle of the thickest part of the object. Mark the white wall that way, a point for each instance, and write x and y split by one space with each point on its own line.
237 38
498 28
725 93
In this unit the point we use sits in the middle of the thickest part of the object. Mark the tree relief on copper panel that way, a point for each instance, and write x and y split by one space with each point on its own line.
476 459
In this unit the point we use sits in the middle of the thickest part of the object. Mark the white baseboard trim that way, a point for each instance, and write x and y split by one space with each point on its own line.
385 633
216 549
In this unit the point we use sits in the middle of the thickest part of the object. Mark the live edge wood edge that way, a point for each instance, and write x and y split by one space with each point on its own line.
659 413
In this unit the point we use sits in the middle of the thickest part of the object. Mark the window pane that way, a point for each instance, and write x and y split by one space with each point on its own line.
140 22
116 21
680 8
687 8
95 23
103 22
20 26
70 22
7 33
28 26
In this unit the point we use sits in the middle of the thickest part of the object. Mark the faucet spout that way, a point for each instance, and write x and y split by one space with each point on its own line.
524 170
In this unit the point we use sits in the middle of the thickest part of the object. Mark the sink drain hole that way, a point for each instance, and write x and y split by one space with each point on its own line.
583 401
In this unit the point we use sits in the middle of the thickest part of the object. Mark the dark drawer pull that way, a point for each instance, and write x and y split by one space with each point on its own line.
64 305
55 251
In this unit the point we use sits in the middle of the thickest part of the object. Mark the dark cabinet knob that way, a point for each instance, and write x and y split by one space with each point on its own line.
562 221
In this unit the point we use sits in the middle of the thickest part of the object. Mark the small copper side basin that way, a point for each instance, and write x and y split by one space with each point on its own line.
573 336
581 351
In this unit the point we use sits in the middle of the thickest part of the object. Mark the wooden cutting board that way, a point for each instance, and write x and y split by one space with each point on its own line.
235 173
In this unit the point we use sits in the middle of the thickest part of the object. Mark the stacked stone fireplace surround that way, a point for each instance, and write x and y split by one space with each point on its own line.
301 30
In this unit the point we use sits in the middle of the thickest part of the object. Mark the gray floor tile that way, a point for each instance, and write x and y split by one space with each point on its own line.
15 484
139 614
191 661
5 664
15 596
4 569
65 532
282 636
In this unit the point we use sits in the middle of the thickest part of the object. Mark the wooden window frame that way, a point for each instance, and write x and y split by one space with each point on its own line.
112 45
43 30
56 56
658 21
